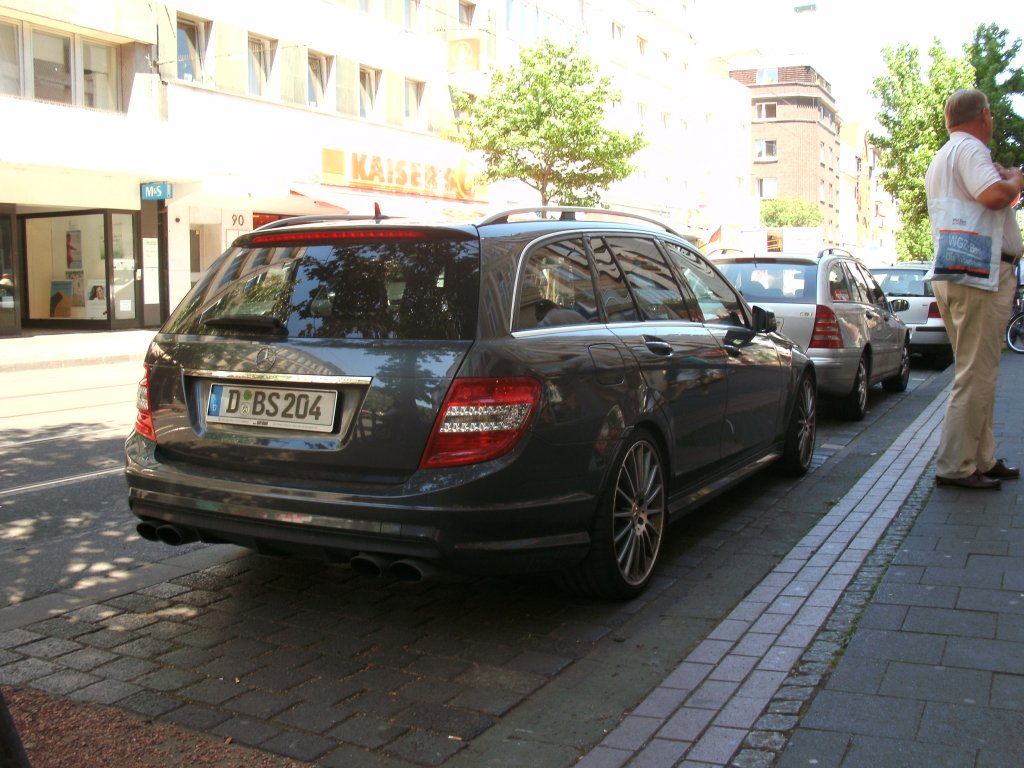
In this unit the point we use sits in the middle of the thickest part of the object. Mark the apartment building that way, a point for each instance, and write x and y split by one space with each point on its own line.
141 137
868 214
795 132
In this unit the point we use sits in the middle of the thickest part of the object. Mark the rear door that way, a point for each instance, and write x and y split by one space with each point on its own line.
683 365
881 325
757 375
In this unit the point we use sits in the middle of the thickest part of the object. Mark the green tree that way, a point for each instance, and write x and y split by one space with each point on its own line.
992 59
542 122
913 123
790 212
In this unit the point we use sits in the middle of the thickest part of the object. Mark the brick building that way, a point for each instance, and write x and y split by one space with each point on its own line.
795 131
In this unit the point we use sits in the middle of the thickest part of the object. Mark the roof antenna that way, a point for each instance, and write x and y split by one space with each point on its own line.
376 211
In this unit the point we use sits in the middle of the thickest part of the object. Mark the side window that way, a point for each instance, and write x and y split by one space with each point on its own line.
839 284
611 286
875 295
716 299
654 288
556 287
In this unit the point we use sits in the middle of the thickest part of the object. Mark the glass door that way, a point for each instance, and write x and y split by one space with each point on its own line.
9 304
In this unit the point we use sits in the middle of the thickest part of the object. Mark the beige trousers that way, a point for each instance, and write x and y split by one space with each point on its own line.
975 321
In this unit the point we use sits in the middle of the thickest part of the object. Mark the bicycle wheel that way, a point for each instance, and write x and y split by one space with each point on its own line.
1015 333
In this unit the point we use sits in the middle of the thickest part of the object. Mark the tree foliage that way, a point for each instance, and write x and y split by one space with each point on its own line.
992 59
913 120
542 122
790 212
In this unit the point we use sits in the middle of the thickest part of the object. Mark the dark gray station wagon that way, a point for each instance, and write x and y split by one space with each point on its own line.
543 389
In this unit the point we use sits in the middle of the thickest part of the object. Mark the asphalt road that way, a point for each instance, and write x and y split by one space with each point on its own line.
308 660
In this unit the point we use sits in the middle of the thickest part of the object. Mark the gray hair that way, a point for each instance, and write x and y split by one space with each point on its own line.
963 106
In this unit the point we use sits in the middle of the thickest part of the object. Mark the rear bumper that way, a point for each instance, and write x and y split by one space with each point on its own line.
439 525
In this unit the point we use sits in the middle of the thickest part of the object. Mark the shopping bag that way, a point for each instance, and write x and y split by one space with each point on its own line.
968 241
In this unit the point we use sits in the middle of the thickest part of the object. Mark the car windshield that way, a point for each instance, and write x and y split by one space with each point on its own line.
903 282
772 282
370 289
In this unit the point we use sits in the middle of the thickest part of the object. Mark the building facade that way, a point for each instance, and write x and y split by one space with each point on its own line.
795 133
141 137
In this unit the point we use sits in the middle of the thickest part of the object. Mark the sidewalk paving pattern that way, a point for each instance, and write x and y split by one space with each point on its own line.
891 635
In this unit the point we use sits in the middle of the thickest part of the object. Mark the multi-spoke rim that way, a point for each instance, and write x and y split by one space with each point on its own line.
806 421
638 513
861 385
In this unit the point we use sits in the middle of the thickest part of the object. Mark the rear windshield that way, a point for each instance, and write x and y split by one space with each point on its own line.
773 282
903 282
373 288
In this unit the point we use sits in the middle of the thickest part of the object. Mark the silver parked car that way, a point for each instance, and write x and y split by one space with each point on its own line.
832 306
927 329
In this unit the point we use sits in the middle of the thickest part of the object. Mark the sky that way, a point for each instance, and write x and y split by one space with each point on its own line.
843 39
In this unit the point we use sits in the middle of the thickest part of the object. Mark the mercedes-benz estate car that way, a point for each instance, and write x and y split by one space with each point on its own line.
536 390
830 304
928 336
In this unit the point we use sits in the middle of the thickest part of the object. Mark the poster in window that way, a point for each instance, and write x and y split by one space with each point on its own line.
60 298
73 243
77 278
96 300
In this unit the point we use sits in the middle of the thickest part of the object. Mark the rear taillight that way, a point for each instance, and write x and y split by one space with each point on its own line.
826 333
933 312
481 419
144 419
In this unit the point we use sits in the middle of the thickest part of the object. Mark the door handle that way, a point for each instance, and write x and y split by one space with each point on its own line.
658 346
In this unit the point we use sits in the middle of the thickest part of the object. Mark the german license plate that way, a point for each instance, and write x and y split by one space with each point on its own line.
305 409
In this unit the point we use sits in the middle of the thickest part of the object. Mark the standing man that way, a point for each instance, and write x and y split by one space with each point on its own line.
963 172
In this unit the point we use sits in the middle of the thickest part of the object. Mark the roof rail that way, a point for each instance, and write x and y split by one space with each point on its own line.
325 217
569 213
833 251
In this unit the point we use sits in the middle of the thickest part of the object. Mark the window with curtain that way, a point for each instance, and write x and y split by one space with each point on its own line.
191 45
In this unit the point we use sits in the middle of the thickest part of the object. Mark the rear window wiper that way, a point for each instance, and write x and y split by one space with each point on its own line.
254 322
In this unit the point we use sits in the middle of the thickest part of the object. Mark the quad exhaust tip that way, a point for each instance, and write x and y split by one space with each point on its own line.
406 569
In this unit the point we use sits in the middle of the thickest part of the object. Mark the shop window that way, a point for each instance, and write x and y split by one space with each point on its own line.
67 267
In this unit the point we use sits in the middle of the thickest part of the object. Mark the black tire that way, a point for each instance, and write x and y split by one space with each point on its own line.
1015 333
854 406
898 383
801 430
628 528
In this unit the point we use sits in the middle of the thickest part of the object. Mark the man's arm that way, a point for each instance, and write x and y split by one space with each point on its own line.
1003 192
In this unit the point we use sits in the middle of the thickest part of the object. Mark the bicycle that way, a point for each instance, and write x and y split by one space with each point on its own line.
1015 325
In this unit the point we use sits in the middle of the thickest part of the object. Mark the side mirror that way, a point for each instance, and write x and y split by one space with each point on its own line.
764 320
899 305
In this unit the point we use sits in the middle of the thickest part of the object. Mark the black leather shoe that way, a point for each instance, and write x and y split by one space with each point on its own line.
1002 471
975 482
